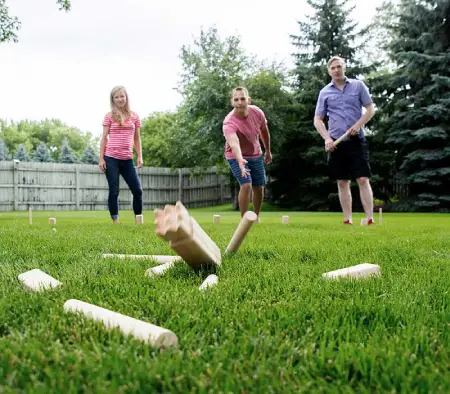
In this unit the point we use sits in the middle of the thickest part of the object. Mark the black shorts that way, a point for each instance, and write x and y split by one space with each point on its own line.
350 160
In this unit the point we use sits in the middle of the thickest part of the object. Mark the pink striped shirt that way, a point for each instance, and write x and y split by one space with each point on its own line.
121 138
247 130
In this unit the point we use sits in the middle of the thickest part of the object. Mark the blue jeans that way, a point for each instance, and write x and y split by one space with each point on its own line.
114 168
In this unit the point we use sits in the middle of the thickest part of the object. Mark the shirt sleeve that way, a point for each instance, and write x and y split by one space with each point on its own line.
107 120
364 94
321 106
229 127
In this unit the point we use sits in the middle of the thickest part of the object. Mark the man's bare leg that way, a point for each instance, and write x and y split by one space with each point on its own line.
366 194
345 198
244 197
258 196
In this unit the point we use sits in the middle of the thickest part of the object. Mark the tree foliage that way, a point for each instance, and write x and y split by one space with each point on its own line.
42 154
416 99
10 25
90 155
300 175
22 153
66 154
4 151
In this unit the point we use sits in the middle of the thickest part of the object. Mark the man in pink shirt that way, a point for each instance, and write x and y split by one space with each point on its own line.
242 128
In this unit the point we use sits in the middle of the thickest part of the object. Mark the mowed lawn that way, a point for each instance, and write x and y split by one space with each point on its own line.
272 324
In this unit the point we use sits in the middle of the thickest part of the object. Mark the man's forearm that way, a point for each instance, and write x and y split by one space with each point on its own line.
236 149
366 117
320 127
265 136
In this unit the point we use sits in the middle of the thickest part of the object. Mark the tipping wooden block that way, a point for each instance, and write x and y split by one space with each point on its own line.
139 219
52 221
160 259
156 336
185 236
37 280
216 219
357 271
380 216
243 228
285 219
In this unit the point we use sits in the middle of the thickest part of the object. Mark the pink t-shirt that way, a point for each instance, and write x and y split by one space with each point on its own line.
121 138
247 130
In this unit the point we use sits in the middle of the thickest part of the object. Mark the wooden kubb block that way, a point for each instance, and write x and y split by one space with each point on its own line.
357 271
160 259
139 219
243 228
37 280
156 336
186 237
52 221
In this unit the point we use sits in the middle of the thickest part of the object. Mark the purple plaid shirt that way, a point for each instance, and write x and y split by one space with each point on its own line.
343 108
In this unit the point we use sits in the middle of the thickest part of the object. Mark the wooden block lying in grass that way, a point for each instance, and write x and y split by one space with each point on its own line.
160 269
357 271
160 259
185 236
37 280
156 336
285 219
216 219
210 281
52 221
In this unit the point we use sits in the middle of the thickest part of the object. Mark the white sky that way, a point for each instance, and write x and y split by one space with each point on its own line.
65 64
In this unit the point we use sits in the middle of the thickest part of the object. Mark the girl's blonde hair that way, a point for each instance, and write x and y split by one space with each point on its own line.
119 115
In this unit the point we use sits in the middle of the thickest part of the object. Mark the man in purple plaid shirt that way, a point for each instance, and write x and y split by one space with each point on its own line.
342 101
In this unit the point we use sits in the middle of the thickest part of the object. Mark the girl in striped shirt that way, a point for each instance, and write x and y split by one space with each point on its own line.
121 129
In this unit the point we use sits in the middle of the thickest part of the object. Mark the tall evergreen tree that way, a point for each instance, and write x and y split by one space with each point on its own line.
417 121
66 155
42 154
300 176
90 156
22 153
4 151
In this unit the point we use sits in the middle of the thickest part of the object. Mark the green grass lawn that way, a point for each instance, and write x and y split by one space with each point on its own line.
272 324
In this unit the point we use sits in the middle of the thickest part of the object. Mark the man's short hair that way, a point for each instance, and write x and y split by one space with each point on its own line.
239 89
334 58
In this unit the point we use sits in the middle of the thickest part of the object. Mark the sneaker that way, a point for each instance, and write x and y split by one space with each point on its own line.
348 222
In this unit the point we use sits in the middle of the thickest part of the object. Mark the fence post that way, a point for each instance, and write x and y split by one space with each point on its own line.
16 185
77 187
180 184
219 180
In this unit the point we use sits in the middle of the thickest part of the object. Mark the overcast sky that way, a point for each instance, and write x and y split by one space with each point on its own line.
65 64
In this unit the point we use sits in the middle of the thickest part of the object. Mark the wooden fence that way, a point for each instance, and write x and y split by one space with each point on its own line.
51 186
